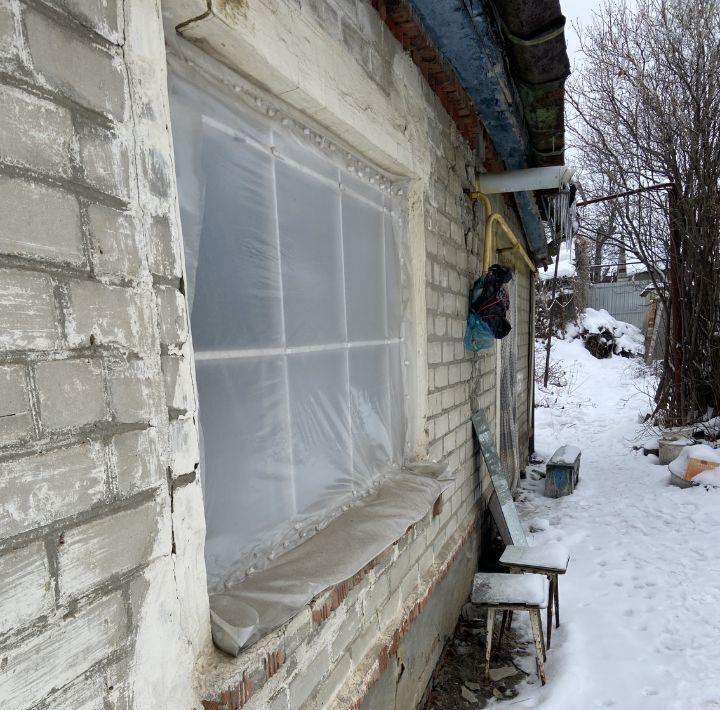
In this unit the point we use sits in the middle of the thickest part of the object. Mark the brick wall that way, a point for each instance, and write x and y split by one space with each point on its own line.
102 600
89 302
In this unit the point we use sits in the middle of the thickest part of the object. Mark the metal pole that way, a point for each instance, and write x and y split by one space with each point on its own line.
550 320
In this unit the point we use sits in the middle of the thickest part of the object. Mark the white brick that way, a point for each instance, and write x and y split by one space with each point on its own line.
26 590
178 382
34 133
15 419
104 161
112 315
27 311
63 58
71 393
36 490
137 460
101 690
103 17
52 659
172 316
93 552
164 249
441 376
39 222
304 682
184 446
10 33
114 243
134 393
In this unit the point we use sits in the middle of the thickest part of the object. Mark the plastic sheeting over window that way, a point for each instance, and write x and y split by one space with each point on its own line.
294 284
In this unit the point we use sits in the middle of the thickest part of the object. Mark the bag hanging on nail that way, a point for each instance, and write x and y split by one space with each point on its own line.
489 301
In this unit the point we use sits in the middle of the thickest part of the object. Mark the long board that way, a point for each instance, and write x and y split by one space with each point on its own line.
502 505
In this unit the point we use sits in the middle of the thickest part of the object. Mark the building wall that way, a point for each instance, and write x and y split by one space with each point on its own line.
104 603
100 515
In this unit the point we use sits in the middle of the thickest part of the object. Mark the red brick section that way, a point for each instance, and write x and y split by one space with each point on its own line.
440 76
233 698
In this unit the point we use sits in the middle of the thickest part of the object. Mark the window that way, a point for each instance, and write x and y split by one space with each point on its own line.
294 286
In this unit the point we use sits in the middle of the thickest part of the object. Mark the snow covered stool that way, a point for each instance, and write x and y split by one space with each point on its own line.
551 560
508 593
562 472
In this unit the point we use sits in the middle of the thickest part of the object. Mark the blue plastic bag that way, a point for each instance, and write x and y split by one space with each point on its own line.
478 335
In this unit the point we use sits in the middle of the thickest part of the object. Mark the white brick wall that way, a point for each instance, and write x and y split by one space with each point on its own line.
89 287
102 600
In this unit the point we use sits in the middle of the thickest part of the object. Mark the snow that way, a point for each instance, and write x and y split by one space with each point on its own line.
566 267
498 588
639 603
552 556
627 336
699 451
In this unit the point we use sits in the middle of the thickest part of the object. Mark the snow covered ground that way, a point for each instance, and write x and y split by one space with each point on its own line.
640 604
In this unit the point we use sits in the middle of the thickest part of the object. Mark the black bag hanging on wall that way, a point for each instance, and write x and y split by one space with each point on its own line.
489 300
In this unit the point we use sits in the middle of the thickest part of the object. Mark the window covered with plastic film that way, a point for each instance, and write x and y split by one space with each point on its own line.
294 286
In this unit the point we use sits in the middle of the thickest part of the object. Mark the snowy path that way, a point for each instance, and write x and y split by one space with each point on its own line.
640 604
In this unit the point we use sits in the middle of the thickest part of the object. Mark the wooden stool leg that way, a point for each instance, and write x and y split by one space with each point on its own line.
539 645
510 613
488 644
502 627
551 587
557 603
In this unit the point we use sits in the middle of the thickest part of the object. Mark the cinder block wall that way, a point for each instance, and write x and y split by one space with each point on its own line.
94 374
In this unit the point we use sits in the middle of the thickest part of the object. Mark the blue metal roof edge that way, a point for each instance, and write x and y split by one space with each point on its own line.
465 32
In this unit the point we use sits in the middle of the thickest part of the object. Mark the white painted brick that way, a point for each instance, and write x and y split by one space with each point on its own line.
434 404
113 315
134 394
27 311
104 161
184 447
178 382
101 690
71 393
93 552
63 57
103 17
172 316
113 242
164 249
448 352
137 460
26 590
15 418
60 654
36 490
34 133
10 33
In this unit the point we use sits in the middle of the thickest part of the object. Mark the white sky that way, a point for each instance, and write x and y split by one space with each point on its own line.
574 11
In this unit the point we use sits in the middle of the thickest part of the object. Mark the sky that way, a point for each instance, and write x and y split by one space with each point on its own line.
576 11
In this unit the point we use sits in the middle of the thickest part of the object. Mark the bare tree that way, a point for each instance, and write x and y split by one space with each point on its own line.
646 111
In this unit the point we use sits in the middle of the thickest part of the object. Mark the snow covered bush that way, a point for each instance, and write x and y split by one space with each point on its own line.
604 336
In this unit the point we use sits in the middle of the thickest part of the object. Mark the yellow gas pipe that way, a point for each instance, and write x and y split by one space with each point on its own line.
491 219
